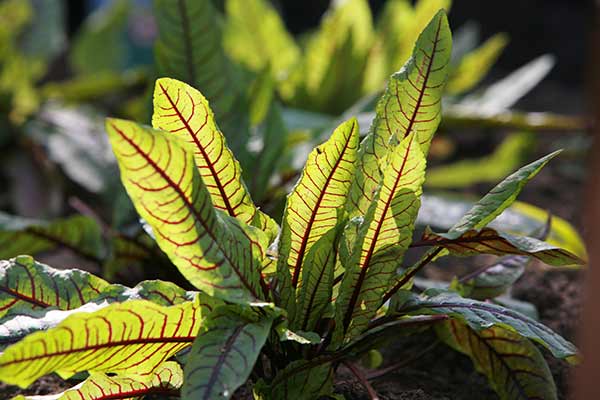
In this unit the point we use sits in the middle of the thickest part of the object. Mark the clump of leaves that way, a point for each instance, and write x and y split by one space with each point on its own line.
279 307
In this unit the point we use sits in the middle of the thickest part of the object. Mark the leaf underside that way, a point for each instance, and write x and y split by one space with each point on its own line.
514 367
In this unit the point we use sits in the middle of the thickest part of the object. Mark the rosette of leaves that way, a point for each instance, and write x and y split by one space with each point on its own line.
280 308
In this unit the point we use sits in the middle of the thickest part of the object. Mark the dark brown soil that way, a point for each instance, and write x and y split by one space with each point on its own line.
47 385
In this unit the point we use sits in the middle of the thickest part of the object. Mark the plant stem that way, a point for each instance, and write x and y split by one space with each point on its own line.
362 379
384 371
408 275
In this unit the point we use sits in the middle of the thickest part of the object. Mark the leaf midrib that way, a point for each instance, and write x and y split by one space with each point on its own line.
364 267
225 350
190 207
315 210
129 342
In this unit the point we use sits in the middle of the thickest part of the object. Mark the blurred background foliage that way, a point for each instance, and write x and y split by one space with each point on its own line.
279 75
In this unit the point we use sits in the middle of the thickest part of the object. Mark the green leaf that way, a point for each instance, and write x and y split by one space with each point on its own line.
495 279
481 315
383 238
473 67
491 241
301 380
78 234
507 157
443 210
56 294
223 355
498 199
274 140
185 112
99 45
410 104
334 60
317 282
28 285
424 12
255 36
164 381
312 209
135 336
215 252
389 47
514 367
189 48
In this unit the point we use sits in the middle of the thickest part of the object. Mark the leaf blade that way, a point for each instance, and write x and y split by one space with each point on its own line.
383 238
102 342
185 112
215 252
220 361
421 81
514 367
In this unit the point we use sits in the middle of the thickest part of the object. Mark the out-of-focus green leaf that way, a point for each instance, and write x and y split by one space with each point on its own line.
334 60
79 234
494 280
93 87
74 138
503 94
505 159
255 36
189 48
475 65
514 367
99 46
46 35
274 140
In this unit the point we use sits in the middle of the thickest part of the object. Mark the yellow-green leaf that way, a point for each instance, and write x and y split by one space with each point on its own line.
507 157
411 103
255 36
78 234
164 381
28 285
514 367
312 208
329 76
317 282
475 65
383 238
215 252
131 337
185 112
